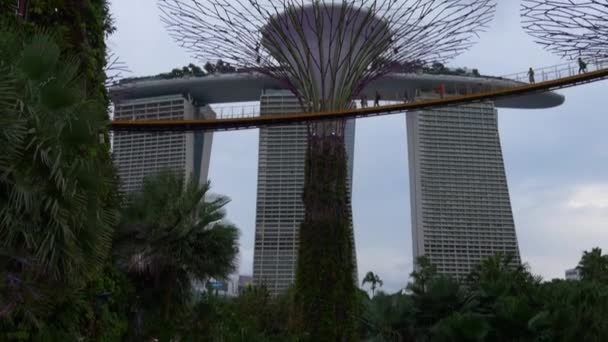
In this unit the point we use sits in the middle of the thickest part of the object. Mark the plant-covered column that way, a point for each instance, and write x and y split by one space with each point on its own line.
81 26
59 200
325 288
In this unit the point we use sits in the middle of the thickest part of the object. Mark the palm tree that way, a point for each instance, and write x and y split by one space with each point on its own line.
500 275
374 281
434 297
594 266
423 273
505 293
172 235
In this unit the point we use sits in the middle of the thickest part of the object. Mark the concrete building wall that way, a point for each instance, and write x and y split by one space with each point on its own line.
137 155
279 211
203 143
460 204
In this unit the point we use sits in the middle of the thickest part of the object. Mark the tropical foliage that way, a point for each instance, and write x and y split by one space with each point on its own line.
57 204
190 70
254 315
594 266
53 205
500 301
325 289
374 281
80 28
170 237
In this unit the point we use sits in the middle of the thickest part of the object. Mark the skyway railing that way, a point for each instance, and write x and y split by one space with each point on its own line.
248 111
236 111
492 93
558 71
542 74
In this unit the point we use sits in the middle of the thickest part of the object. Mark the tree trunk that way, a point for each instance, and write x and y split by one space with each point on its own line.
170 284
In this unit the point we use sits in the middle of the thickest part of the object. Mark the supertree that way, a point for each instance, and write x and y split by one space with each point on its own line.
569 28
326 52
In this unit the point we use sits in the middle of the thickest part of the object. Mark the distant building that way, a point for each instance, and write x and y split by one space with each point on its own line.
245 281
460 205
137 155
573 274
279 212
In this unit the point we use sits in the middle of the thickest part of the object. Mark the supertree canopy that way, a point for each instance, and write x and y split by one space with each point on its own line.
569 28
326 51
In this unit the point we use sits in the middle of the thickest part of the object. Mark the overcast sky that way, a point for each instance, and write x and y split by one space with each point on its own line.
556 159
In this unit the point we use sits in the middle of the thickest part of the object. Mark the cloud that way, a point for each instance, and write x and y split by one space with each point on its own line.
593 196
556 224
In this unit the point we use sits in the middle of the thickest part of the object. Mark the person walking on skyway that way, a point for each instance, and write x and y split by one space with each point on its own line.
406 97
531 75
377 100
582 66
364 101
441 90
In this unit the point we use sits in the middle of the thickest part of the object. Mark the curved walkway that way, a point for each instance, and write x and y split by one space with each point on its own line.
254 121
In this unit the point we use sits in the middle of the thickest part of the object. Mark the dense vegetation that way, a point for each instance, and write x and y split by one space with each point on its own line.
496 303
78 262
190 70
170 237
79 28
58 207
58 203
325 274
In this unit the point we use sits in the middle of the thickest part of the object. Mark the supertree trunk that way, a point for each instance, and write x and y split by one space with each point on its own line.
325 288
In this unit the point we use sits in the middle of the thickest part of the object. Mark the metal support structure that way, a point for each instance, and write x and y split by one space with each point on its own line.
569 28
326 52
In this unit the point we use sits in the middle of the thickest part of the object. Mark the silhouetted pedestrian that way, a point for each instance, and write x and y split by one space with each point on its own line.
582 66
377 100
531 75
363 101
406 97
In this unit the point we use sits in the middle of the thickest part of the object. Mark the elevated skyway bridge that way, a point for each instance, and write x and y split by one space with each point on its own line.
547 79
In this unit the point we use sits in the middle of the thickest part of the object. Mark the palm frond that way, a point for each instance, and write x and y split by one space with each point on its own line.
57 200
170 231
